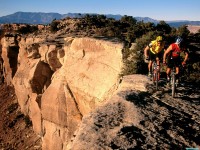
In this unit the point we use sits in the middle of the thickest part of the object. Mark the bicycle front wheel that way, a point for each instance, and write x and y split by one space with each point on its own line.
156 79
173 85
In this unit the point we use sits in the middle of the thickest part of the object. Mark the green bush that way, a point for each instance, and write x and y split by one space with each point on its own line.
134 56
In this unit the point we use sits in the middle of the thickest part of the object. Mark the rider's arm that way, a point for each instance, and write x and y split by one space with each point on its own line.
186 56
166 53
145 51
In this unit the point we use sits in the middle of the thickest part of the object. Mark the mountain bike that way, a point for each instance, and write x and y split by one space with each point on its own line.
172 83
155 73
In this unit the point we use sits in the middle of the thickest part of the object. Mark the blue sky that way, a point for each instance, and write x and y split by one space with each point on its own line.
156 9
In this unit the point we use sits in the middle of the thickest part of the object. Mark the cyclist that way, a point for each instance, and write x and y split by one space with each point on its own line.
173 57
155 48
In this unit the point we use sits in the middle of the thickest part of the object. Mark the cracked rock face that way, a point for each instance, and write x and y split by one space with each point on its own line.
56 85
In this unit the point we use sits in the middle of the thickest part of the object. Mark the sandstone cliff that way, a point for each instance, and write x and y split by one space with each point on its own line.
65 86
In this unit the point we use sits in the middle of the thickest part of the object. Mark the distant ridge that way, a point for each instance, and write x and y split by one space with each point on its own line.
46 18
30 17
146 19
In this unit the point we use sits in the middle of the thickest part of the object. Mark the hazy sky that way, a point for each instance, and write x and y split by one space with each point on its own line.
156 9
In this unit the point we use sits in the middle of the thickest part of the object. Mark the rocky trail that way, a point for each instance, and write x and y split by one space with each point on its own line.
168 123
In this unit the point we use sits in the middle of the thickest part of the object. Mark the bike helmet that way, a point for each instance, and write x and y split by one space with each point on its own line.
179 40
159 38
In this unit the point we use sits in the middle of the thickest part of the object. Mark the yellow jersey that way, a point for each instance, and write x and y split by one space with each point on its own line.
155 48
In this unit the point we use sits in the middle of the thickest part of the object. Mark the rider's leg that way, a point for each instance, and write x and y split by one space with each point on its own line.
151 57
177 64
177 70
177 74
169 66
149 67
168 73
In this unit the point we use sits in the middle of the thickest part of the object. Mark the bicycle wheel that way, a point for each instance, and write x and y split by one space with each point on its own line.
152 71
156 79
173 85
155 75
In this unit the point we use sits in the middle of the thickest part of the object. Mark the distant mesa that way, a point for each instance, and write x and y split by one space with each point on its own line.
193 28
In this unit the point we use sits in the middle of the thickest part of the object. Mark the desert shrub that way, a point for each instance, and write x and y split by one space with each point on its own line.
27 29
163 27
54 26
183 31
1 33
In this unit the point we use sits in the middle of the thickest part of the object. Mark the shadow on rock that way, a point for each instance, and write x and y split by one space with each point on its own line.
129 137
140 99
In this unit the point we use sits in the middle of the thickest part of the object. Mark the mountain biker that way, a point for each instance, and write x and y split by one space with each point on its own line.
155 48
173 57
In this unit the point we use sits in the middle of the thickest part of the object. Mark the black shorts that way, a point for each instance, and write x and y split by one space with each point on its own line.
171 62
153 56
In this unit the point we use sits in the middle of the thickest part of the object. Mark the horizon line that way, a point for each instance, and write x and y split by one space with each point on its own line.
179 20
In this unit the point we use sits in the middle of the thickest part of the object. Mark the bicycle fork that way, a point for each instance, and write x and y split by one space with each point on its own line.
156 72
